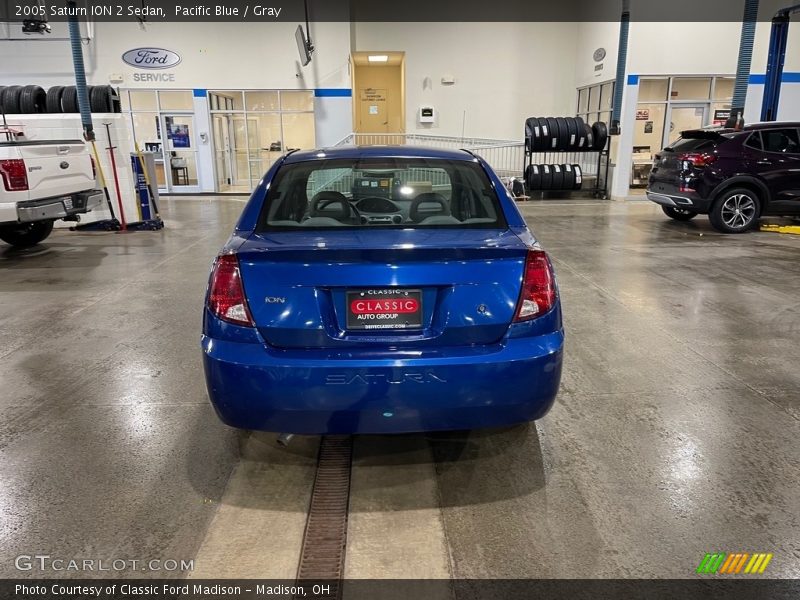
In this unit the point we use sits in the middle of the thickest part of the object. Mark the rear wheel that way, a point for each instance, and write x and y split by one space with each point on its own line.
23 235
679 214
735 211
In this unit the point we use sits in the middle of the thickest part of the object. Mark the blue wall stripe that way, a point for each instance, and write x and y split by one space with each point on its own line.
633 80
199 93
333 92
787 78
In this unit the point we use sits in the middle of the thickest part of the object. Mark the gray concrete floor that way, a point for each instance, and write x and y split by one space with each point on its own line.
676 431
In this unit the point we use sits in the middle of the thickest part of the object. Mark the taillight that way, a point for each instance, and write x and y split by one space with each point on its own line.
226 296
696 159
538 293
15 177
94 168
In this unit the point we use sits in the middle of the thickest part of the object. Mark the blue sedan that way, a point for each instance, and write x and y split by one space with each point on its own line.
381 290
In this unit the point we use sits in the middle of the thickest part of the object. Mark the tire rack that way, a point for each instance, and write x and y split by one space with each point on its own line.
597 158
33 99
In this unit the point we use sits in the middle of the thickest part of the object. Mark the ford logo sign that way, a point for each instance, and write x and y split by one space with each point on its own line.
151 58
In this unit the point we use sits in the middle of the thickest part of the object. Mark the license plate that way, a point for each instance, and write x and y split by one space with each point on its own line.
385 308
67 203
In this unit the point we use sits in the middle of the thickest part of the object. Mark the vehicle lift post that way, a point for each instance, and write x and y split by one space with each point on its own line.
111 148
775 63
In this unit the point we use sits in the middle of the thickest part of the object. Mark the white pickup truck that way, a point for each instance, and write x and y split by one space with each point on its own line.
43 181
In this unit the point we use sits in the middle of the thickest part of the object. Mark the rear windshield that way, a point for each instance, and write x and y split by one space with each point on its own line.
379 192
690 145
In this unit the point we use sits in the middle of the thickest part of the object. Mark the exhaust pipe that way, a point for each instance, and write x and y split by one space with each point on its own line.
622 59
749 19
284 439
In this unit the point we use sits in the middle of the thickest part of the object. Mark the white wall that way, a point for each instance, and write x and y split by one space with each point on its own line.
590 37
223 55
505 72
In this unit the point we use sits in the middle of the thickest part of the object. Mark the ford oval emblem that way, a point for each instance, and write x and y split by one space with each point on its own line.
151 58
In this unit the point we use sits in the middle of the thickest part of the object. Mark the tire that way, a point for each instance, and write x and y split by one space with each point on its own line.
53 99
11 99
589 145
679 214
533 177
563 134
572 128
580 127
533 134
569 177
69 99
547 177
578 177
25 235
600 130
33 99
558 178
99 99
551 144
544 141
735 211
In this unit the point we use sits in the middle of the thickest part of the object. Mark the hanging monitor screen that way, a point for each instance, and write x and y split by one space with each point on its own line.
302 46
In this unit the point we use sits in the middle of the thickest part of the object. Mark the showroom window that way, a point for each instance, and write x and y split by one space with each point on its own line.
596 102
152 112
253 128
669 105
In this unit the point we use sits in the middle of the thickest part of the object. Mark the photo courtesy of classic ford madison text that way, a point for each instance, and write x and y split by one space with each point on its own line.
447 300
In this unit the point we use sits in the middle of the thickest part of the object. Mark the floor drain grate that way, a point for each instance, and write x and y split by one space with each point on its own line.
325 539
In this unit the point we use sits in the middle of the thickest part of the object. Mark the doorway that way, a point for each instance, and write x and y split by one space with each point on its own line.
254 128
180 152
682 117
379 94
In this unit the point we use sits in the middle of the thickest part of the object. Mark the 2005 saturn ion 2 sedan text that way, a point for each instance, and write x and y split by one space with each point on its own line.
381 290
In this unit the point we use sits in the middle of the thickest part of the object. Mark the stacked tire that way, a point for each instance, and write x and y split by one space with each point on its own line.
30 99
543 178
564 134
19 99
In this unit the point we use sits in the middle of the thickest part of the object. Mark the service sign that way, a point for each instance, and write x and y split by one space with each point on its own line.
151 58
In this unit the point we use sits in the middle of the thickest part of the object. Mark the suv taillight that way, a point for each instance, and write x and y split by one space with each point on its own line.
94 168
15 177
226 294
696 159
538 293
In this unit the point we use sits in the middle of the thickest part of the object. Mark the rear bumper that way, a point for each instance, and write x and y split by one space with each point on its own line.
255 388
668 195
57 208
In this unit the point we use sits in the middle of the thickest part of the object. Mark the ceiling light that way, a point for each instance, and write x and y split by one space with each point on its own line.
378 58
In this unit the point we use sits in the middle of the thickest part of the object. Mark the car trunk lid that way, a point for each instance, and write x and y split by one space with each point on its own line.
301 285
56 168
669 164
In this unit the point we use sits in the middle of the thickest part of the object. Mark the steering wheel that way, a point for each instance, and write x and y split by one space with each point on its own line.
324 203
428 198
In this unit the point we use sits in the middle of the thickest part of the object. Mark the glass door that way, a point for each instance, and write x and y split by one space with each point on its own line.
682 117
180 151
222 153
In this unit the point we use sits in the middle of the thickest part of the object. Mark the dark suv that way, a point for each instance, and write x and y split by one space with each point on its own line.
732 176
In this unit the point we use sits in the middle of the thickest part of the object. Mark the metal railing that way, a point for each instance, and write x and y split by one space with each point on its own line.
506 157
